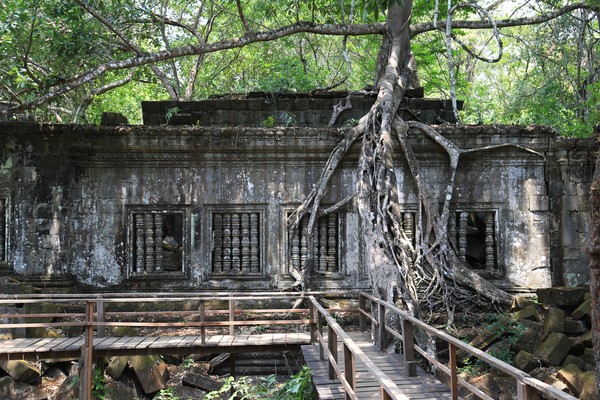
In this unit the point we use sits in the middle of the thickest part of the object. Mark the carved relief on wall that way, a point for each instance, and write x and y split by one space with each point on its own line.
236 242
325 241
156 241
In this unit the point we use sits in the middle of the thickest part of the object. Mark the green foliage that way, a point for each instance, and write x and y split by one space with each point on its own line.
268 122
188 363
170 113
99 390
298 387
166 394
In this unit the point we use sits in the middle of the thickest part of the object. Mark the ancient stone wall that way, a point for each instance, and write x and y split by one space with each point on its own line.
191 207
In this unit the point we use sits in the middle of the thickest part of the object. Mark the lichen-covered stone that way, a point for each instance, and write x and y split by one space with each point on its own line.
530 338
21 370
526 361
573 360
151 372
584 312
554 321
115 367
121 390
530 313
571 375
554 349
561 296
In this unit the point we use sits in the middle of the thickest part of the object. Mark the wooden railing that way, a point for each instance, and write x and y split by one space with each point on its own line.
528 388
94 313
328 347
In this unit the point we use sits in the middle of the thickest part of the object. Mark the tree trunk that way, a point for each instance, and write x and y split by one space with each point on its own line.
594 251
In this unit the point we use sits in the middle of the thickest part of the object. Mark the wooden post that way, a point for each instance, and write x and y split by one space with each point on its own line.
453 372
526 392
320 329
232 364
101 329
349 369
408 339
87 354
381 333
384 394
332 345
362 306
202 319
231 318
313 323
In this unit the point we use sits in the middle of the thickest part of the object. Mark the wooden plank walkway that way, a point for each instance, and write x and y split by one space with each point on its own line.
69 348
423 386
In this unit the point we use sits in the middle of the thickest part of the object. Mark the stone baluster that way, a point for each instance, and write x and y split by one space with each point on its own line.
139 243
235 242
245 263
303 246
489 242
322 245
408 226
332 242
158 239
254 250
226 242
217 243
315 246
462 236
295 250
452 227
149 230
2 230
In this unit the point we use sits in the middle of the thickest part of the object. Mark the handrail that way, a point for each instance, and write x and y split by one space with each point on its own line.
389 390
525 382
94 315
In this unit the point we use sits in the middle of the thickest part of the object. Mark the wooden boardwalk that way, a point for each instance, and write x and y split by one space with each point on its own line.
70 348
423 386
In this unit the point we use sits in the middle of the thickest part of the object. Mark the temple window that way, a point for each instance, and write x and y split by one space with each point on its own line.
325 239
474 234
157 241
236 242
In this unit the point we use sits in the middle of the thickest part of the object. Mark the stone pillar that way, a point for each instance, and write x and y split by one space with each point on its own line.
149 230
462 237
332 242
217 259
2 230
158 239
254 250
139 243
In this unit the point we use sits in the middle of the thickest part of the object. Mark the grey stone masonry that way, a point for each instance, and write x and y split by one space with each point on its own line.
205 207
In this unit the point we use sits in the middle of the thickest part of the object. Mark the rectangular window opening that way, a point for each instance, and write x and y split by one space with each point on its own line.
157 241
325 241
236 243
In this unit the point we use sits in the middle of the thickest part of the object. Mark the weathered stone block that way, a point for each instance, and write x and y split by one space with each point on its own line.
531 337
571 375
584 312
151 372
526 361
530 313
116 366
573 360
121 390
561 296
588 386
554 321
575 327
21 370
554 349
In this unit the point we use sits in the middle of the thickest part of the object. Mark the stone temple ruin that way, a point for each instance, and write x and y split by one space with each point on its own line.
197 198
